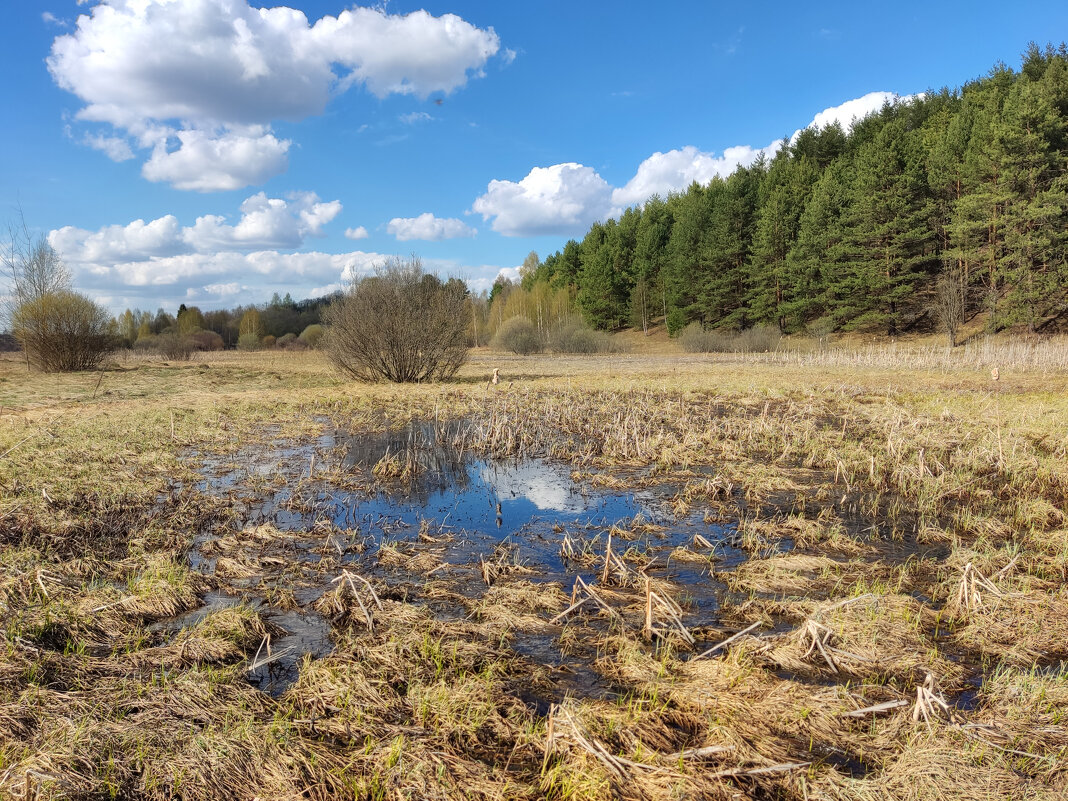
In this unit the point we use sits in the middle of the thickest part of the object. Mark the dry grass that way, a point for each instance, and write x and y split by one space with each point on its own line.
887 638
426 695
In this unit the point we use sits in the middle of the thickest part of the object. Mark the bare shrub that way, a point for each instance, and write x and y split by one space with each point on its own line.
62 331
518 335
758 339
400 324
695 339
578 338
286 340
949 305
206 340
173 346
248 342
268 341
59 329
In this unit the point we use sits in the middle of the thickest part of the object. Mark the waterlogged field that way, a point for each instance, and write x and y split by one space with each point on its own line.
833 575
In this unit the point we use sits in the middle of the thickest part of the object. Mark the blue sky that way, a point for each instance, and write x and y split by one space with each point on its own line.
209 152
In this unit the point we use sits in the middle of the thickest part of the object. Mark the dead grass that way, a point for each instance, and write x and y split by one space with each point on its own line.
426 695
874 638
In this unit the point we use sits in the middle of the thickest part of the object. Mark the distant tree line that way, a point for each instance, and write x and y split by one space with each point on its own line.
924 214
282 322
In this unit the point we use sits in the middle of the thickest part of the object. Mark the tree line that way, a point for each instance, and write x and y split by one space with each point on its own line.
924 214
282 321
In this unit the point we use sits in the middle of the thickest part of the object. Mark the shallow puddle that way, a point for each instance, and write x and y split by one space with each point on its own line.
334 503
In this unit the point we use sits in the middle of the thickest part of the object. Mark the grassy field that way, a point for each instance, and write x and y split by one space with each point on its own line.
893 625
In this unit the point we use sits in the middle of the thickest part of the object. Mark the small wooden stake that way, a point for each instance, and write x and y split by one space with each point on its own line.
648 631
607 559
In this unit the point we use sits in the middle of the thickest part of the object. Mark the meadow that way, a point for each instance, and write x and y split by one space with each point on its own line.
854 585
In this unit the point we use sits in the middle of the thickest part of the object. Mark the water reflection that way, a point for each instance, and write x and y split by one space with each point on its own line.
470 493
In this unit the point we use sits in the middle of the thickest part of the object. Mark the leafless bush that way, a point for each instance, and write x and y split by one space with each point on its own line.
518 335
207 340
400 324
62 331
758 339
949 305
578 338
174 346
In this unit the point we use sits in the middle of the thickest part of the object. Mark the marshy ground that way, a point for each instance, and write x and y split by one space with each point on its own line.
810 576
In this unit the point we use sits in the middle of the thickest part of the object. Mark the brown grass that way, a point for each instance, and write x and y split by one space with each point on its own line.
101 697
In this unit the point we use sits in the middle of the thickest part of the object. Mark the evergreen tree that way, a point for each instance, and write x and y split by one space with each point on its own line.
783 197
1033 170
681 269
650 249
724 278
603 291
888 232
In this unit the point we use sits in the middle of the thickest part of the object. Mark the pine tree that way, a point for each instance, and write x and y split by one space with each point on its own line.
650 246
725 280
783 197
815 261
1033 169
603 294
888 232
681 269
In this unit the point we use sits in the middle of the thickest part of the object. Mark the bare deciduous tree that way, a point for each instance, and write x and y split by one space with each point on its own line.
32 266
949 305
59 329
399 324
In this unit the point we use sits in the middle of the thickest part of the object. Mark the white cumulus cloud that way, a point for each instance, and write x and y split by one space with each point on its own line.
199 82
220 261
415 117
852 110
114 147
264 223
359 232
428 227
561 199
675 170
212 163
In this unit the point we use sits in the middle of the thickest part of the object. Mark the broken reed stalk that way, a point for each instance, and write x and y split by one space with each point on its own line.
781 768
704 543
582 588
272 656
973 584
728 641
886 706
562 725
672 610
929 701
607 559
819 637
647 631
348 577
567 547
